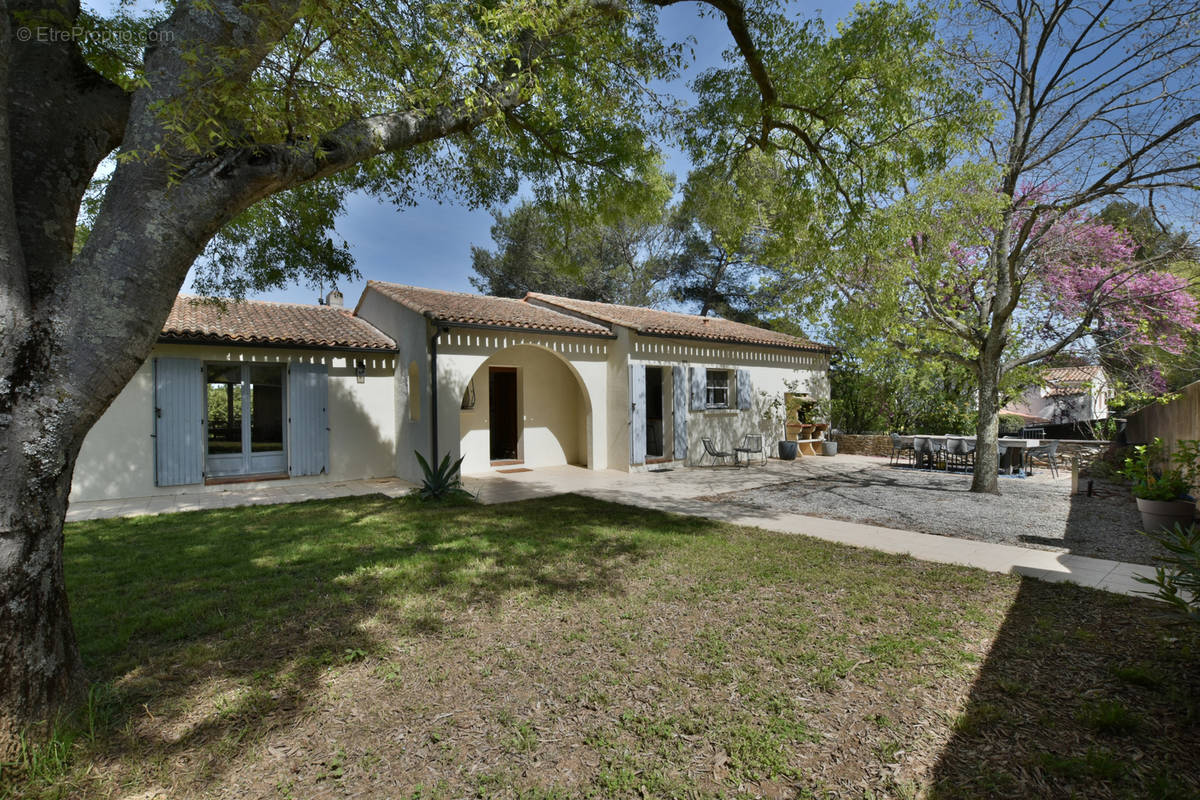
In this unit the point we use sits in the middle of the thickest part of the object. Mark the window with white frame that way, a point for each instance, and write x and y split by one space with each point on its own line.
716 390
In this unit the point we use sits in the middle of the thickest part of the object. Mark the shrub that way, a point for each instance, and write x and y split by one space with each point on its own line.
1177 580
1154 482
1011 423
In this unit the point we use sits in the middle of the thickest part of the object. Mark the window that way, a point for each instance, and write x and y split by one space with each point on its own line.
716 391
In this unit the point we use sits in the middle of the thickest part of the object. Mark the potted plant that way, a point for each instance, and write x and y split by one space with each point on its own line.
1163 492
774 416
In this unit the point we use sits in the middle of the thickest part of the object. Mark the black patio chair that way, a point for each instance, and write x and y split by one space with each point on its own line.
968 454
713 452
752 444
1049 452
956 454
899 449
922 451
937 450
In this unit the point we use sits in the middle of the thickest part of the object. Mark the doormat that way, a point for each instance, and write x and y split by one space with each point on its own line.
518 469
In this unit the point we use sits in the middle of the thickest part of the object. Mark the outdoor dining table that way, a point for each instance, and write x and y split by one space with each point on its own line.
1014 457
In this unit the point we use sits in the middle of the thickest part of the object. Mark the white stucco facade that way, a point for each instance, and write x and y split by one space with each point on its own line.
118 458
508 396
573 392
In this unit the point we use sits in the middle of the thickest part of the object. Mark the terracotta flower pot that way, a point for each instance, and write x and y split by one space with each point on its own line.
1160 515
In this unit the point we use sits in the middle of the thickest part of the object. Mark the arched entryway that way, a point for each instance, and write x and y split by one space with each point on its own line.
524 406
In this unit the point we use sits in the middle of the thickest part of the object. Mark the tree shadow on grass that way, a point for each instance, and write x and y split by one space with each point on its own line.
1083 694
216 626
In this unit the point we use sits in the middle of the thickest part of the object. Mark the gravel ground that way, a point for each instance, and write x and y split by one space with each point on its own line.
1037 511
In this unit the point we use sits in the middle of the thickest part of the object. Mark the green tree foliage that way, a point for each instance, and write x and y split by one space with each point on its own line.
611 249
234 132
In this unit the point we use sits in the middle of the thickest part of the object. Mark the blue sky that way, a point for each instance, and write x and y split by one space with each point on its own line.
430 244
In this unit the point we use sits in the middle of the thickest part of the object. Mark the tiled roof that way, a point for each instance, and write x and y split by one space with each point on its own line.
1082 374
671 323
491 312
264 323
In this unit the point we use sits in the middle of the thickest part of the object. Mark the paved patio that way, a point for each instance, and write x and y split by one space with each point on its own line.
234 495
692 491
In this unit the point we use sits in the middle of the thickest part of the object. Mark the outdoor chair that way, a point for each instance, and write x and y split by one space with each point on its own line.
752 444
955 454
921 450
1048 452
711 451
899 450
968 454
937 447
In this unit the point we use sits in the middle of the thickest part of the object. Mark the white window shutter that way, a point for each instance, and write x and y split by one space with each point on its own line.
679 390
179 411
699 379
308 418
743 390
637 414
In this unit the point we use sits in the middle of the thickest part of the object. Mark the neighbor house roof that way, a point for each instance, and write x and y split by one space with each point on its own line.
1065 381
654 322
1082 374
258 322
490 312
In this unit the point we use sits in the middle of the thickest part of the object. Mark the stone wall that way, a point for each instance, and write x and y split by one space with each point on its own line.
876 444
864 444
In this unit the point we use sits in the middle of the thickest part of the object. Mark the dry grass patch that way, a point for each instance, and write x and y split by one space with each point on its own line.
573 648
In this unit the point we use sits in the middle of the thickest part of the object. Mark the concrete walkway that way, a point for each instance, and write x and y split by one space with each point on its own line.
679 491
234 495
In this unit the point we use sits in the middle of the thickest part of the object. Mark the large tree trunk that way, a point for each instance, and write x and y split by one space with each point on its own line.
40 671
987 466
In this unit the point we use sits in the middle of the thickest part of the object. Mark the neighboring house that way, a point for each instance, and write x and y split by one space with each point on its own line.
1064 394
335 395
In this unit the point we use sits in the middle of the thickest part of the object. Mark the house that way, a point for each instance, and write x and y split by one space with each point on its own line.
264 391
1063 395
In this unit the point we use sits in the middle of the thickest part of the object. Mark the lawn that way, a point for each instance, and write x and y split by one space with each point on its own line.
568 647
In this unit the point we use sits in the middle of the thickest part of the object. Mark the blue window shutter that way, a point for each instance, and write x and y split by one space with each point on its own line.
637 414
743 389
679 409
179 406
308 417
699 381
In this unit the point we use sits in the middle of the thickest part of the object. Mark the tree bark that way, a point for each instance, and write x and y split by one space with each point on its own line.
41 674
987 463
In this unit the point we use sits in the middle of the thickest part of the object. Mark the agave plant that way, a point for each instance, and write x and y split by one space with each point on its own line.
440 482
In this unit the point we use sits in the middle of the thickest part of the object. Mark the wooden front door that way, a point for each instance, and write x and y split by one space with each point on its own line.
502 412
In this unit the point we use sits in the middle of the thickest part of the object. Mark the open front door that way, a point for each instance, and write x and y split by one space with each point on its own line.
502 413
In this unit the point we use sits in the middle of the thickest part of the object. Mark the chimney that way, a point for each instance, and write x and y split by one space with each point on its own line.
334 298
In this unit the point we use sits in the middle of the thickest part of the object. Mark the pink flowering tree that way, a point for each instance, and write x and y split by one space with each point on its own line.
1005 261
1074 282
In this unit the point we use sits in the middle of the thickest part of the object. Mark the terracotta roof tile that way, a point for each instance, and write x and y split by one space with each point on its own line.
671 323
1082 374
492 312
261 322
